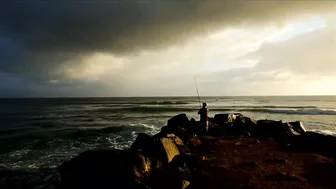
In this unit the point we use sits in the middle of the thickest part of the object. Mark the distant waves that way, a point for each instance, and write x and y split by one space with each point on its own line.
303 110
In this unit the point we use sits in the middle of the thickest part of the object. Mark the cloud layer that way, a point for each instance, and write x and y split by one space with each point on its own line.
43 41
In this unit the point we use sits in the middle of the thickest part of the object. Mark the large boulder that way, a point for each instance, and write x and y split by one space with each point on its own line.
143 144
181 132
269 128
105 168
298 126
169 151
289 135
243 124
317 143
223 119
168 179
161 147
180 120
177 140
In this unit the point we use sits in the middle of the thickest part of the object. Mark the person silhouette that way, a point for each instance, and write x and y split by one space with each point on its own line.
203 112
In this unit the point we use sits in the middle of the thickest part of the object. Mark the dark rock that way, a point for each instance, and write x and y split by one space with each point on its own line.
276 160
246 134
180 120
246 164
211 119
223 119
194 141
143 143
105 169
181 132
316 142
298 126
173 175
238 143
289 131
245 122
193 121
269 128
166 179
280 176
194 127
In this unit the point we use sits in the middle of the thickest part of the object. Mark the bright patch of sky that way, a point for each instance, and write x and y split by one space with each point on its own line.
243 41
297 28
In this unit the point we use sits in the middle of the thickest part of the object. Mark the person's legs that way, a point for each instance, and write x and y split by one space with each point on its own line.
202 126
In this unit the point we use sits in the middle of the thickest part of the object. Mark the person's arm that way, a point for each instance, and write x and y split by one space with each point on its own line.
199 111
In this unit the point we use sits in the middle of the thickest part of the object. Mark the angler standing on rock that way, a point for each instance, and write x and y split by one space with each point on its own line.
203 112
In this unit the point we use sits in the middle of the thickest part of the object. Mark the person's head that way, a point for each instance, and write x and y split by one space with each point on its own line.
204 104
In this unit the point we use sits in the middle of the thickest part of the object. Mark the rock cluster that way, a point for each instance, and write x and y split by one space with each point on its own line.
165 159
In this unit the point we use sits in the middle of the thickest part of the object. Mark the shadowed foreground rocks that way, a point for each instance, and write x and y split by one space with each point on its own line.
237 152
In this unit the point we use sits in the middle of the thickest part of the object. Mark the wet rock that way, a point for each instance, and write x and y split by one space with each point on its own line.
288 129
298 126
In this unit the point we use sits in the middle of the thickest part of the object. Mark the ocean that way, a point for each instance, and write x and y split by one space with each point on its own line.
42 133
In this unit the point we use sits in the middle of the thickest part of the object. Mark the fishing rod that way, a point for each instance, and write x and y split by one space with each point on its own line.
199 99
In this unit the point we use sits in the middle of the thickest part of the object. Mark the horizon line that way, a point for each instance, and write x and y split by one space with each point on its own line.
175 96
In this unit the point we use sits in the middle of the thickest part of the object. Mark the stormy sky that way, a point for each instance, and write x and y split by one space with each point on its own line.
155 48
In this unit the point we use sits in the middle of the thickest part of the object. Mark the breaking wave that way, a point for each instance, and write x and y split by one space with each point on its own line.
164 102
301 110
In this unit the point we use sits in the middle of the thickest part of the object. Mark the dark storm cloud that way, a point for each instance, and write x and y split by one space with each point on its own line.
39 37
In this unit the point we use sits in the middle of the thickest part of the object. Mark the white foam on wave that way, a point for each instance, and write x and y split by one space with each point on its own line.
325 132
303 111
147 126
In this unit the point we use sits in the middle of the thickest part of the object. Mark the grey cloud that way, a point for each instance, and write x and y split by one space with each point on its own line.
38 39
306 57
312 54
45 34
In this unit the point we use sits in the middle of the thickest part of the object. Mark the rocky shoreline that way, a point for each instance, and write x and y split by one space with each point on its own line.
236 152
